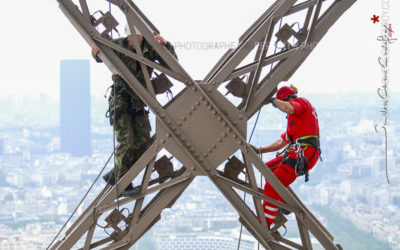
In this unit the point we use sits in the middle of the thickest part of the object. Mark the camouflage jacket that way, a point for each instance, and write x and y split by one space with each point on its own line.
134 66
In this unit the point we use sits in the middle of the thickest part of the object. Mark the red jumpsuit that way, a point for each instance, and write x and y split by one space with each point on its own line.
304 121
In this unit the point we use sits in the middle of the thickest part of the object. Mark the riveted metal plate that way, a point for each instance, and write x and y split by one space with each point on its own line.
205 131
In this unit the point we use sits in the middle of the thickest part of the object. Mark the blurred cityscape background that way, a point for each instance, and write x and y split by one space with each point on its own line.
51 150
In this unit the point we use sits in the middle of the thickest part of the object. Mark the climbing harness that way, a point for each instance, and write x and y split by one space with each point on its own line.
300 163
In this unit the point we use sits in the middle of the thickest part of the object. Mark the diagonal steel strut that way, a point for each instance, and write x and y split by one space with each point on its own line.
200 106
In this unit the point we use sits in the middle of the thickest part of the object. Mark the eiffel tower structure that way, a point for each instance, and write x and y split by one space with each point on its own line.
201 128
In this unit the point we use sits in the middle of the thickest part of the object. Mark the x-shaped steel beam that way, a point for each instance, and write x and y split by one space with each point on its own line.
201 128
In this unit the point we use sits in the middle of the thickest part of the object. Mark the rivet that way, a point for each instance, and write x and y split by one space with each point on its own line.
229 129
168 122
196 154
192 168
197 103
213 146
219 118
219 140
178 133
205 154
210 89
224 124
240 117
194 88
214 112
209 150
193 108
224 134
209 107
189 112
234 136
174 128
168 135
183 118
240 142
200 160
234 123
201 97
162 115
179 123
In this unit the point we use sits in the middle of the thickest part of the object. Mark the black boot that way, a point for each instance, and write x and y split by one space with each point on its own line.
284 211
109 177
130 191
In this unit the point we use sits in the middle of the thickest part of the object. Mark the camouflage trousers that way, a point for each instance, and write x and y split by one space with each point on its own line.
132 130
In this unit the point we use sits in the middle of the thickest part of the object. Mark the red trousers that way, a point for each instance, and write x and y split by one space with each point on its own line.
286 174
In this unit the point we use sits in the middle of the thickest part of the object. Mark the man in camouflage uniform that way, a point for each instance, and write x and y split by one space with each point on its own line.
126 110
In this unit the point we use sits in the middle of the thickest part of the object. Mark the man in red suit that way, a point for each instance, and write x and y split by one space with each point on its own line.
301 140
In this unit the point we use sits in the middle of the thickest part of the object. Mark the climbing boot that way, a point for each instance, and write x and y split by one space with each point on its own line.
109 177
130 191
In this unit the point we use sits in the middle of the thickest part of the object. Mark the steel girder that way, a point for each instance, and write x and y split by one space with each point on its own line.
201 107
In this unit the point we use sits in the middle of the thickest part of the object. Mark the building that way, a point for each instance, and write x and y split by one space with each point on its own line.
1 147
75 107
201 241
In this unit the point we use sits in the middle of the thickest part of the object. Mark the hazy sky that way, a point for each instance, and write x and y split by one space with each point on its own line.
36 35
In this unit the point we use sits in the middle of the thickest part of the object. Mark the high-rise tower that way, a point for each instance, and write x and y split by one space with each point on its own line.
75 107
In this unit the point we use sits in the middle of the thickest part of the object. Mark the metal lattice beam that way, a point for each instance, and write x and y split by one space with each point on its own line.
201 107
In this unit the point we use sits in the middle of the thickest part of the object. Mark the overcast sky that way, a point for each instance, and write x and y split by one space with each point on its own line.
36 35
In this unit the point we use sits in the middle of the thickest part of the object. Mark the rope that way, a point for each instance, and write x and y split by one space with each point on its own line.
84 197
251 135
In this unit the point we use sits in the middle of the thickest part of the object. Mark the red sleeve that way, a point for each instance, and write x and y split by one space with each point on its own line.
284 137
299 105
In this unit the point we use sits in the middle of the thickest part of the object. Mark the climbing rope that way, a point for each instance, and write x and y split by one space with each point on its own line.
251 135
80 203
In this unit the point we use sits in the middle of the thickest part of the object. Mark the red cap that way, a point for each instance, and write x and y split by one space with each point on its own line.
285 92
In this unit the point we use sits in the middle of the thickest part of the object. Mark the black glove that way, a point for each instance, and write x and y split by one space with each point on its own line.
255 148
272 101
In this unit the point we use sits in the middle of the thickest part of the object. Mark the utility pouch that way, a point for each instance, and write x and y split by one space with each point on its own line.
302 165
161 83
